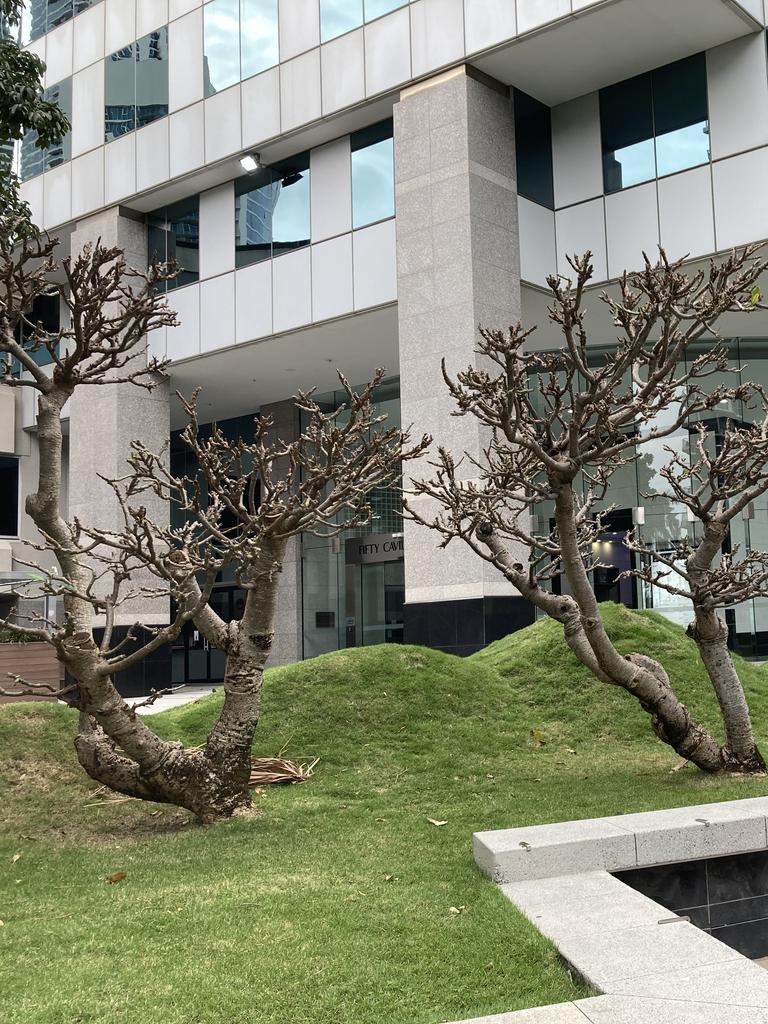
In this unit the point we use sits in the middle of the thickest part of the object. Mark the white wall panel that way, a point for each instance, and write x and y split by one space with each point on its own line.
217 230
260 100
332 293
738 96
184 341
533 13
343 71
374 265
330 181
58 54
686 214
578 229
487 22
387 52
32 193
156 343
120 23
120 168
300 90
537 241
187 139
57 201
177 8
89 37
217 313
576 148
150 14
88 182
253 301
437 33
88 109
632 227
299 26
741 213
292 290
222 124
152 155
185 60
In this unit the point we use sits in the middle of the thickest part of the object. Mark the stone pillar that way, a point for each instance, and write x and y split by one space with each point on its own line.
103 420
287 646
458 266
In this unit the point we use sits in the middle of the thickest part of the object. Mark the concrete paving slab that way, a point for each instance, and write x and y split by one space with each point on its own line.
732 983
562 1013
628 1010
689 833
604 958
544 851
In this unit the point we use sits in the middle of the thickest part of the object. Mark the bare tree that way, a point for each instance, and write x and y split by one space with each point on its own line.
249 498
560 425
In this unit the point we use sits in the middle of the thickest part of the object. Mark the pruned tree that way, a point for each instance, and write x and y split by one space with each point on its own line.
561 424
249 498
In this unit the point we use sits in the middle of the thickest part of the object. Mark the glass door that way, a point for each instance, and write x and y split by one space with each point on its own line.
194 660
382 596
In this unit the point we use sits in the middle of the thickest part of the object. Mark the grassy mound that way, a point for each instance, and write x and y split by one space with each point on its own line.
340 902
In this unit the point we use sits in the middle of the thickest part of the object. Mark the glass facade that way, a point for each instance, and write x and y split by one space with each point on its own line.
533 143
9 496
373 174
136 85
340 16
35 160
41 16
173 235
240 39
272 213
655 124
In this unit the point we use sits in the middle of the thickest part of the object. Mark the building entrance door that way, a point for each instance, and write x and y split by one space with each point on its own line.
194 660
375 590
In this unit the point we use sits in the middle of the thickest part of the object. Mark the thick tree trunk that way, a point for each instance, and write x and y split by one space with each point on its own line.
639 675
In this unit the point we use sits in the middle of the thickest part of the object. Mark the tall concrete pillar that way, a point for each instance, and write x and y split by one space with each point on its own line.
458 267
104 419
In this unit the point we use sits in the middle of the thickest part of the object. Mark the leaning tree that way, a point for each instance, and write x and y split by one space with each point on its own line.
559 425
239 509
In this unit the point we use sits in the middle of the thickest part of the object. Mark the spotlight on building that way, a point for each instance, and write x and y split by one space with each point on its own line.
251 162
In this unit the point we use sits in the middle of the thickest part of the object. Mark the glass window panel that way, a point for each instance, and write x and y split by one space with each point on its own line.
259 38
681 116
339 16
533 140
373 176
290 217
184 240
32 158
59 11
375 8
120 93
61 94
151 77
626 121
255 199
221 41
9 496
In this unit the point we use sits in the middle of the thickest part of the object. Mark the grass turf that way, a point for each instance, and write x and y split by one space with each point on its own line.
337 903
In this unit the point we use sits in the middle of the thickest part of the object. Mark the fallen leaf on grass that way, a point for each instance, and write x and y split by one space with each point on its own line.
156 814
117 877
457 910
390 878
433 821
15 857
678 767
537 738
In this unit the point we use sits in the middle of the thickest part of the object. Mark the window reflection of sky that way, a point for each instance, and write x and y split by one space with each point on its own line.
222 44
339 16
373 196
258 31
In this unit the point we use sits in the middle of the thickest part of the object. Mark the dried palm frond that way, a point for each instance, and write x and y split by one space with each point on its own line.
266 771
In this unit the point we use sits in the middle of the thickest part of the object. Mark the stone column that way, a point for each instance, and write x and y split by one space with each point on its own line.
103 420
287 646
458 266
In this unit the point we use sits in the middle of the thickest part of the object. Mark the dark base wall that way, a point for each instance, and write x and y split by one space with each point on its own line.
153 673
464 627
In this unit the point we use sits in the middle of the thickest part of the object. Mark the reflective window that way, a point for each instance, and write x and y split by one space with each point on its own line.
533 143
34 160
375 8
9 496
221 45
136 85
41 16
174 236
373 174
272 211
655 124
339 16
258 36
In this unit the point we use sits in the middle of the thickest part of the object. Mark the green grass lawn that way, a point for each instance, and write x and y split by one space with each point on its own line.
332 905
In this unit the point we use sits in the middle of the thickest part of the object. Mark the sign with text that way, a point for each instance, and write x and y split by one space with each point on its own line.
378 547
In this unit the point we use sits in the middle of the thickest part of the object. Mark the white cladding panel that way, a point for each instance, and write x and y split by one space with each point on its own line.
217 230
537 242
330 181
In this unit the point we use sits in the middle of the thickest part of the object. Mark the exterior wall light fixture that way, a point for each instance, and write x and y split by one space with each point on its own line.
251 162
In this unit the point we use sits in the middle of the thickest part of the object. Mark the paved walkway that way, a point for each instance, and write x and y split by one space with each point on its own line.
183 695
